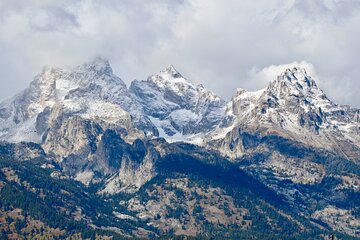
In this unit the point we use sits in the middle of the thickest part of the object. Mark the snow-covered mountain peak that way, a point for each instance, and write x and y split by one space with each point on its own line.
176 106
294 89
90 90
292 97
171 80
295 82
98 65
169 76
172 72
96 71
292 105
240 91
55 84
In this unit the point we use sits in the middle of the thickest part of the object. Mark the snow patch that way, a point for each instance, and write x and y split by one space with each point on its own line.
184 116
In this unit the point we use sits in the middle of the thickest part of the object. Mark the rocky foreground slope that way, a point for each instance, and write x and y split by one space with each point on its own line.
167 157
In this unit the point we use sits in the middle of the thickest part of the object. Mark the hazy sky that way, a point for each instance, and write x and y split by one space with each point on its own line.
222 44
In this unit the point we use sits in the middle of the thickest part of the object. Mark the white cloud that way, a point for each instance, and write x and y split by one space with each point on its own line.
224 45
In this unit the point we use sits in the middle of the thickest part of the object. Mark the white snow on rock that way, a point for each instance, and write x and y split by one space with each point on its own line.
91 91
177 108
294 105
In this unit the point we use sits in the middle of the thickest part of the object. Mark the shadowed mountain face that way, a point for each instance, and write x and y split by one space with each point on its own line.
167 157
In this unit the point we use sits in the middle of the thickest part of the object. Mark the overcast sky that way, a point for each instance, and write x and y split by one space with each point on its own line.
222 44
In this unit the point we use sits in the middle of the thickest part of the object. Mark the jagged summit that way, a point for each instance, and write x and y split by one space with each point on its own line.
295 92
172 71
169 76
240 92
97 71
293 105
177 107
98 64
295 83
170 104
55 85
297 76
166 102
292 93
89 90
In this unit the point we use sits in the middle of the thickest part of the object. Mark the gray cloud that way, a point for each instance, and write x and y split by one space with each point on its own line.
222 44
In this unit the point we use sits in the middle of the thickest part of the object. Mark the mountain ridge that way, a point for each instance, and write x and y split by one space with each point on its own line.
167 137
174 87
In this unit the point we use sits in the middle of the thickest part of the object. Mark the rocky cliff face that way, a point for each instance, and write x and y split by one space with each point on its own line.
68 112
294 107
178 108
292 138
287 143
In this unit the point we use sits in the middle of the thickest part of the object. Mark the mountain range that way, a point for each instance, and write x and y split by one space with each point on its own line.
165 157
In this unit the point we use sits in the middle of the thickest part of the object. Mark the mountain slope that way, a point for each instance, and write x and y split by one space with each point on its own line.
294 107
195 193
283 160
296 141
178 108
59 91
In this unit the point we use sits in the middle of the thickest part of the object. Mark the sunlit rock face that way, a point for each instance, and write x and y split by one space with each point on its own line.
178 108
158 142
